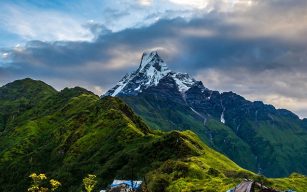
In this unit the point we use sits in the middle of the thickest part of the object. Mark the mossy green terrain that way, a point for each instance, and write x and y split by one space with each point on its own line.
256 136
72 133
156 113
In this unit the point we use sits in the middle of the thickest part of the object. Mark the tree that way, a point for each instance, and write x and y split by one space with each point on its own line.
89 182
40 183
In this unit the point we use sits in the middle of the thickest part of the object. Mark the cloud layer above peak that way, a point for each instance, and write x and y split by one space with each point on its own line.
255 48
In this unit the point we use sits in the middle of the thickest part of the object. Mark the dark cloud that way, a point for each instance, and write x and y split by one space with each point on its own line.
260 53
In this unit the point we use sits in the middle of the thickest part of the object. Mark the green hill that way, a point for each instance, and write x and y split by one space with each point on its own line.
255 136
71 133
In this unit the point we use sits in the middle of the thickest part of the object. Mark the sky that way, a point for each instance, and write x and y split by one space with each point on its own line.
256 48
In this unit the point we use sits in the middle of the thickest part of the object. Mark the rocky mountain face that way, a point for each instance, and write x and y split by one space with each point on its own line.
257 136
151 72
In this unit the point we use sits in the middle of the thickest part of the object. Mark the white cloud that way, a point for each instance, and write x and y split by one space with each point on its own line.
197 32
98 90
219 5
285 90
4 59
120 60
200 4
145 2
5 55
32 24
281 101
19 48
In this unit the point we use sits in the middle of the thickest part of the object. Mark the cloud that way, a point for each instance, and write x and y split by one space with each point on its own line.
217 5
200 4
67 21
258 51
145 2
97 29
282 88
32 24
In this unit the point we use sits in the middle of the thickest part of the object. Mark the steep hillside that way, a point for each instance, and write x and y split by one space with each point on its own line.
166 115
258 137
20 96
71 133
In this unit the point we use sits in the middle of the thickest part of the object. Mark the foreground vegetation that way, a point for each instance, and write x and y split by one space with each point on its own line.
71 133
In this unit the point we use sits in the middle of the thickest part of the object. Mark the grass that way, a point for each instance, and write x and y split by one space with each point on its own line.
72 133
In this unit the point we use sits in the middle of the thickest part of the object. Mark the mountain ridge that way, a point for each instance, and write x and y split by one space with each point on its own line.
183 80
226 121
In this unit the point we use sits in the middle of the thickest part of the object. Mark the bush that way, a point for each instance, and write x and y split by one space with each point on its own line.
89 182
40 183
159 183
213 172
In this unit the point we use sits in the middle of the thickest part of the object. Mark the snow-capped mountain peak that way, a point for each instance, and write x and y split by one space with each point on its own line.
151 70
152 59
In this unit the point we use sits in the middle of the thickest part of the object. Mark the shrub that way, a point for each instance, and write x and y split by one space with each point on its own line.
89 182
40 183
213 172
159 183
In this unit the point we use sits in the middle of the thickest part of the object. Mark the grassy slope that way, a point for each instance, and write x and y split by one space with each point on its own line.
20 96
281 141
214 133
72 133
269 145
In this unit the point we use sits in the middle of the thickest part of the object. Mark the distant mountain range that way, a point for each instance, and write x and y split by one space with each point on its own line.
71 133
257 136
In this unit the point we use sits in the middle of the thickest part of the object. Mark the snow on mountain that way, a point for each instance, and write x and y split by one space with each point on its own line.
183 81
151 70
